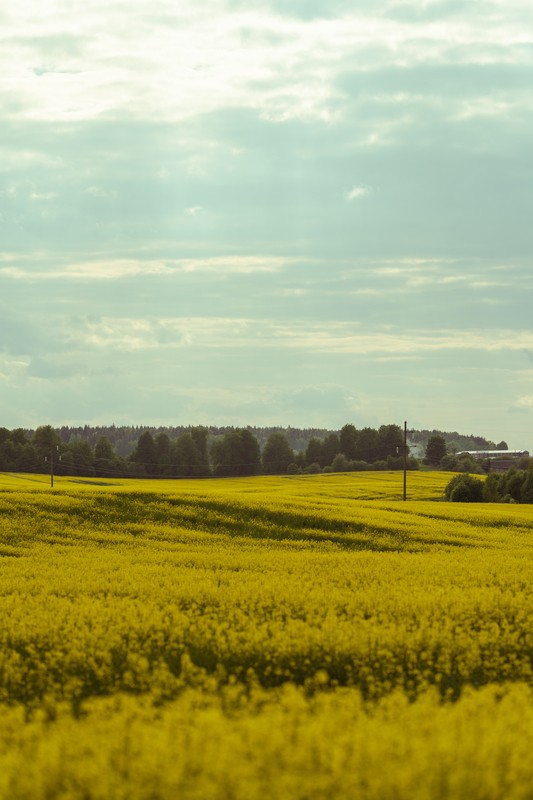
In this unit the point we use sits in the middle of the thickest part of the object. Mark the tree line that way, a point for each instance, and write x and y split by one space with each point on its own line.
124 438
199 452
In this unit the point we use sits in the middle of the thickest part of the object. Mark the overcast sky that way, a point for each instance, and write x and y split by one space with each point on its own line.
304 212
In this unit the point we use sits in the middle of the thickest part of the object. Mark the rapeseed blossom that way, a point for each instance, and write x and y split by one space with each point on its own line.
273 637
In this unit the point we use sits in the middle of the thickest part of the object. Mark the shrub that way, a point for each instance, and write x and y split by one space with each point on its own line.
394 462
464 489
468 464
462 493
359 466
314 468
293 469
340 463
449 463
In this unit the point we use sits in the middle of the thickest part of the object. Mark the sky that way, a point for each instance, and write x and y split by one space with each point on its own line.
267 212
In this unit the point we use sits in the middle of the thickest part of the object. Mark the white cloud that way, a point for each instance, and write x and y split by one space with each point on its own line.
42 197
116 269
526 401
341 338
190 58
486 107
234 264
426 273
356 193
11 370
105 270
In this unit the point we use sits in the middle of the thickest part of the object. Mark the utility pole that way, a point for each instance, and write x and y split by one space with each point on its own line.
51 460
405 450
405 461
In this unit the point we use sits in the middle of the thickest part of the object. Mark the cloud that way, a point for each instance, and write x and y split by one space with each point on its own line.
356 193
219 333
42 197
423 274
224 158
117 269
342 339
179 61
100 193
105 270
526 401
12 370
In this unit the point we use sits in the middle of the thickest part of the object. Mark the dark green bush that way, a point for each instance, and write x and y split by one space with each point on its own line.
464 489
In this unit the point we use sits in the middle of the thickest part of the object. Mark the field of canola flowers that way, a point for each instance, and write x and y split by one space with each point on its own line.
300 637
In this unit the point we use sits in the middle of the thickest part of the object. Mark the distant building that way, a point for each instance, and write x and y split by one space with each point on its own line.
416 449
498 460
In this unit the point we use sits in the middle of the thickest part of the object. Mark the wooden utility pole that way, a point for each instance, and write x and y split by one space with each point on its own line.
51 460
405 460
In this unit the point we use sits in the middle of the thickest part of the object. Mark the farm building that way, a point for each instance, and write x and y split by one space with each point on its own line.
498 460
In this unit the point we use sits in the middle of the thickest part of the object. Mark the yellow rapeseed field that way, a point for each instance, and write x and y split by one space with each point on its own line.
298 637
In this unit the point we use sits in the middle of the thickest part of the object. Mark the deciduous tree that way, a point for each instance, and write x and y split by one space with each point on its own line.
146 453
46 441
236 454
435 450
389 441
348 441
277 454
367 445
